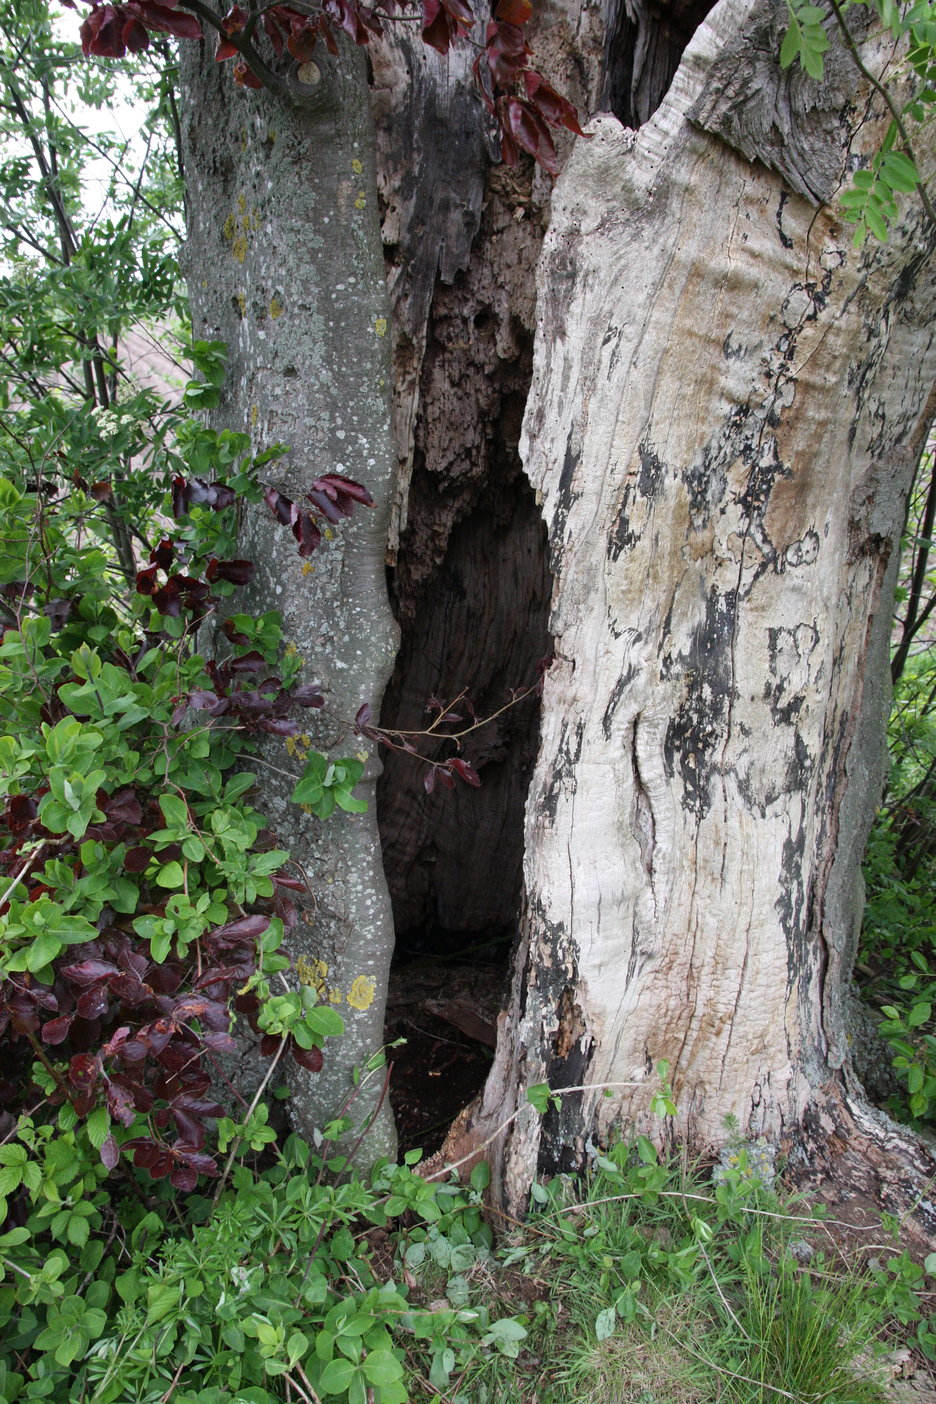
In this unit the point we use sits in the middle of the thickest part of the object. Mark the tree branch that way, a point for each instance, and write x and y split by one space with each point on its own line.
885 96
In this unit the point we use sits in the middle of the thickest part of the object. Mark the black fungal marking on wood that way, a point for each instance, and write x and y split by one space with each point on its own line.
765 470
652 472
791 905
621 537
785 239
570 1058
565 497
791 779
569 753
648 482
697 729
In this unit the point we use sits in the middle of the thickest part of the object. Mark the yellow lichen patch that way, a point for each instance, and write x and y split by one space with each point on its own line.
312 972
229 227
290 651
361 995
254 411
361 200
241 304
242 200
334 995
357 167
239 248
298 746
328 534
255 217
380 326
276 307
307 568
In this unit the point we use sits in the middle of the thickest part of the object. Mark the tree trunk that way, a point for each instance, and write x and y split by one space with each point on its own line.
727 405
284 262
727 402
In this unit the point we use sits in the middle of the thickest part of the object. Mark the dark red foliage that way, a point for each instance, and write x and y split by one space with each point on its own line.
335 496
237 572
111 31
122 1031
519 98
192 492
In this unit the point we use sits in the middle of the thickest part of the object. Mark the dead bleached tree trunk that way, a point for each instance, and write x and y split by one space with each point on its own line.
727 404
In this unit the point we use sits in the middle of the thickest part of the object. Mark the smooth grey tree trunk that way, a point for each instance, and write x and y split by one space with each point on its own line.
284 263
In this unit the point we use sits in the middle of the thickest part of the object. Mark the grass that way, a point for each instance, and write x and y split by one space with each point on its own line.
650 1284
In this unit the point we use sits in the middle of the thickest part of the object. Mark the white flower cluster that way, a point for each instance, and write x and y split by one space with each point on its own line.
108 421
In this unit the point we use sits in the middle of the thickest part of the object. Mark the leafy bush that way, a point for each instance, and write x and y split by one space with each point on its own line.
898 946
285 1281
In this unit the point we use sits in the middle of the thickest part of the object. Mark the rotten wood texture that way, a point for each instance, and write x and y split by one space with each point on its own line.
470 584
727 403
782 117
471 588
644 45
858 1162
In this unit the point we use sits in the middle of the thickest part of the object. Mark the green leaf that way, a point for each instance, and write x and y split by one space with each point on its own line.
171 875
876 223
790 48
336 1376
646 1151
898 172
538 1097
175 811
42 952
481 1176
346 801
98 1127
381 1367
324 1020
605 1323
77 1231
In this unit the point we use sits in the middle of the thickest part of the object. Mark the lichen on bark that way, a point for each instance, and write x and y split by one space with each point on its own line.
284 263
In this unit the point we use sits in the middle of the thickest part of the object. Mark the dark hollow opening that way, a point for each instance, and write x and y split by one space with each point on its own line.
453 859
644 45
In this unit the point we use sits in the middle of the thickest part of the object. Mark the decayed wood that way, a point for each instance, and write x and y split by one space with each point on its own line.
725 403
471 590
469 583
782 117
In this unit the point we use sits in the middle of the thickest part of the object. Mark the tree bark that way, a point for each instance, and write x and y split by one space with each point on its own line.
284 262
727 404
